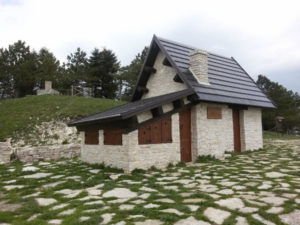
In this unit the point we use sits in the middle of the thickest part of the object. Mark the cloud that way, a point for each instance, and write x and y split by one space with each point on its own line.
263 36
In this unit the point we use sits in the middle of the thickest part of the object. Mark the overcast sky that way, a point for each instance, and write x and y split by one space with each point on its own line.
263 36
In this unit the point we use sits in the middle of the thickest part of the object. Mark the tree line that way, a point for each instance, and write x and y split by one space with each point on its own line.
287 104
23 70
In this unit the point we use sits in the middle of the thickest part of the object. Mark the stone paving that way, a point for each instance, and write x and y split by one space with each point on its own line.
259 187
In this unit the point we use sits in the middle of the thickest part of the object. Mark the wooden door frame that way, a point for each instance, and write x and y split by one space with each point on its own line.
236 119
185 156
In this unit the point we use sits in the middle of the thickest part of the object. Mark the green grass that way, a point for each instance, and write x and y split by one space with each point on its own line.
275 135
22 114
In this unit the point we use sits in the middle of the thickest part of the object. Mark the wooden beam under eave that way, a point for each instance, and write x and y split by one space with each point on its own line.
149 69
166 62
177 79
156 112
142 89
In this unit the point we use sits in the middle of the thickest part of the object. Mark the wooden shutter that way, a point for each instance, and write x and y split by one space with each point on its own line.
156 132
91 137
144 135
214 113
166 130
112 136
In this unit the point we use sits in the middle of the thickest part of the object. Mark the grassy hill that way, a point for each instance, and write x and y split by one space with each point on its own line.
20 116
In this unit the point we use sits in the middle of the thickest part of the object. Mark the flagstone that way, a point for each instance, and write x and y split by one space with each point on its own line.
9 207
94 202
231 203
37 175
191 221
120 193
248 209
292 218
95 171
144 196
67 212
275 174
226 192
149 222
241 221
45 201
60 206
289 195
175 211
264 221
274 200
51 185
138 201
264 186
193 200
216 215
9 181
165 200
11 187
33 217
30 168
107 217
32 195
126 207
275 210
147 189
193 208
68 193
93 191
55 222
151 205
89 197
84 218
175 188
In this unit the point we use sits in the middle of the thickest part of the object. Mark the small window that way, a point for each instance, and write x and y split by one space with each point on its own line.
91 137
112 136
214 113
156 132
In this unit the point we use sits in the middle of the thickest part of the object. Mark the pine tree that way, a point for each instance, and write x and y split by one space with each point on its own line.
103 67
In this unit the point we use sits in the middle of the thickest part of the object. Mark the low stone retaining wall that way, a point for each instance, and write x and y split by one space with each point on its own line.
32 154
5 152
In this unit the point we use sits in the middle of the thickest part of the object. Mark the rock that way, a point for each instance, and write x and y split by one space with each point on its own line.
107 217
149 222
30 168
193 208
248 210
175 211
226 192
191 221
11 187
55 222
37 175
69 193
84 218
60 206
275 174
151 205
193 200
275 210
126 207
241 221
231 203
276 201
165 200
216 215
264 221
292 218
120 193
67 212
8 207
45 201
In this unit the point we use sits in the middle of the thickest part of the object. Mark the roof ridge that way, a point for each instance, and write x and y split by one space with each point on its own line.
192 47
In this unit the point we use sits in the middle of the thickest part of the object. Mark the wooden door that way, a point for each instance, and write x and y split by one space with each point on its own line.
185 135
236 130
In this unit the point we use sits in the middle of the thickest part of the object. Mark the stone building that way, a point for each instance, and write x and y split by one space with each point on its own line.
48 89
187 102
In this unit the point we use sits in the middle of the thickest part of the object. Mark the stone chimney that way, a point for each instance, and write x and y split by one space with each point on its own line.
198 66
48 85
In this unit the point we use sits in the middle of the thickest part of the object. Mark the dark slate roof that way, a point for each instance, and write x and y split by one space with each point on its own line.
133 108
230 83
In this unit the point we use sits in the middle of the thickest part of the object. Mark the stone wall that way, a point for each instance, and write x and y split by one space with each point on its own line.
130 154
211 136
161 82
251 128
32 154
5 152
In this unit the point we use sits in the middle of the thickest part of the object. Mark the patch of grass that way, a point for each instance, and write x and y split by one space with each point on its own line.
276 135
22 114
205 159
